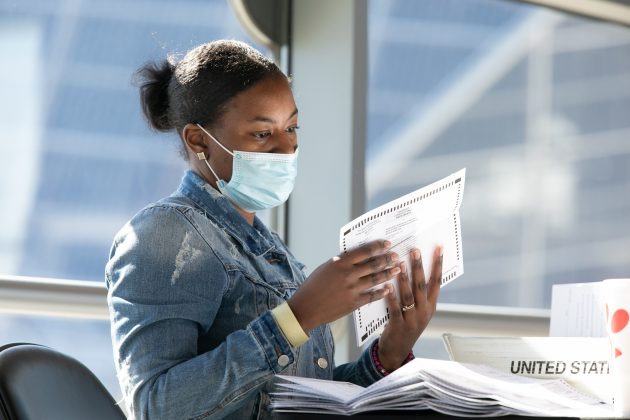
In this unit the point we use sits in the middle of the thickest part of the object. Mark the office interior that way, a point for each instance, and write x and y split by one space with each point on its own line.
531 97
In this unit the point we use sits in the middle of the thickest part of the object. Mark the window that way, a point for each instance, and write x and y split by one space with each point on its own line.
536 105
77 157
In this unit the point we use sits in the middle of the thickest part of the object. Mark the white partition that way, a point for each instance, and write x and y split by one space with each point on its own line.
329 66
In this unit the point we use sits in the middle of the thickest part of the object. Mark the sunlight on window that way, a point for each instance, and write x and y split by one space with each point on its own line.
535 104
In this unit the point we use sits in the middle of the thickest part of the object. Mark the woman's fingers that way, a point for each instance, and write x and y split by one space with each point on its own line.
372 295
435 280
407 299
417 275
377 278
376 264
395 314
365 252
372 265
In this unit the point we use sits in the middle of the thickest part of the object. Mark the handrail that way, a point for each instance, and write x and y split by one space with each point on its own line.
53 297
88 299
481 320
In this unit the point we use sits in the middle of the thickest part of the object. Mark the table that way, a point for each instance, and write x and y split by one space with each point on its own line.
397 414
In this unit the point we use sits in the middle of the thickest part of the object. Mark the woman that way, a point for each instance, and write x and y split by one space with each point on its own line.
206 303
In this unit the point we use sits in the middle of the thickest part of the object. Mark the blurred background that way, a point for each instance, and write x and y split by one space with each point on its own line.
535 103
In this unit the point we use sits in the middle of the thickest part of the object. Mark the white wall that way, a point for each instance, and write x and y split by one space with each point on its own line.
329 66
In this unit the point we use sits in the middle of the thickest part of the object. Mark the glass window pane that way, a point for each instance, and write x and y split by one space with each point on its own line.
535 104
77 157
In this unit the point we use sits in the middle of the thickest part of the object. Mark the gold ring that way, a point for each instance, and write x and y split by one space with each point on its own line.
407 307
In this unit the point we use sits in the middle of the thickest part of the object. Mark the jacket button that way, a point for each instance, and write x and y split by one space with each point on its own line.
283 360
322 363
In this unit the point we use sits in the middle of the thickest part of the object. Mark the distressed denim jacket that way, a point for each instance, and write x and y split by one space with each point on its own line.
190 289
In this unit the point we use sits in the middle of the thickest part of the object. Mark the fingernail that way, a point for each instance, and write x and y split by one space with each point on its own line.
441 250
403 267
415 253
396 270
387 244
395 257
386 291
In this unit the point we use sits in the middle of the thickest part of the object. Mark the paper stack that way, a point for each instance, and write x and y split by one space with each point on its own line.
452 388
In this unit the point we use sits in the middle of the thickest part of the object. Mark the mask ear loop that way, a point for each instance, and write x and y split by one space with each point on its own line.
215 140
202 155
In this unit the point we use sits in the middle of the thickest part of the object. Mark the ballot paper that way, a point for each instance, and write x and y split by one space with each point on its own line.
577 310
458 389
422 219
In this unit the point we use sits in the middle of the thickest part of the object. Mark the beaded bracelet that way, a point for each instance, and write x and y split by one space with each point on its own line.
377 361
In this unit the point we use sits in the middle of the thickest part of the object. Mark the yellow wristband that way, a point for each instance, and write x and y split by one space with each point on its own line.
289 324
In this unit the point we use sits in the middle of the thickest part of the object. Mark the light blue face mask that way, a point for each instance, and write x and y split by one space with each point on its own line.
259 180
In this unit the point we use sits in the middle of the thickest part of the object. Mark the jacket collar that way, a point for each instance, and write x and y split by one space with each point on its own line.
254 238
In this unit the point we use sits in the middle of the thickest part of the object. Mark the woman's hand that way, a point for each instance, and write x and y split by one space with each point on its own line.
409 317
343 284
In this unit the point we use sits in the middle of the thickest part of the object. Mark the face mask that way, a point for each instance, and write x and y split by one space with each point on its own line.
259 180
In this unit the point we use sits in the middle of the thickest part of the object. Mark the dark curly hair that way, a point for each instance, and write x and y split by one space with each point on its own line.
197 88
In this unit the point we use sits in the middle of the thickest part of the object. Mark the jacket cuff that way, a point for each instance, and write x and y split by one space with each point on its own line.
271 342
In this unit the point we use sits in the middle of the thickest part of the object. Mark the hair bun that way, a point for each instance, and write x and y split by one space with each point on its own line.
153 80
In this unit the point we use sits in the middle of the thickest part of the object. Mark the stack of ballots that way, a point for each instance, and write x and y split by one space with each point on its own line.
458 389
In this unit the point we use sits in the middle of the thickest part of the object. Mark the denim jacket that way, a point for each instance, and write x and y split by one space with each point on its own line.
190 289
